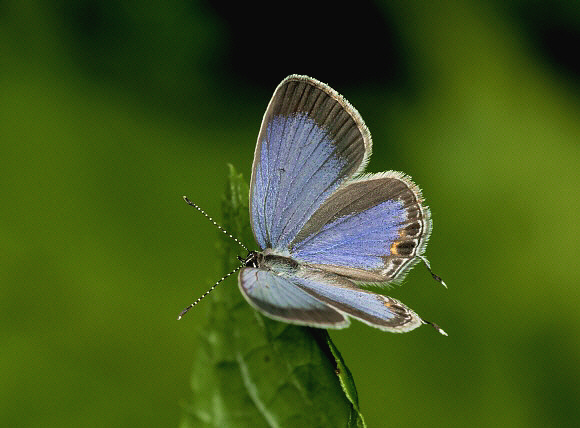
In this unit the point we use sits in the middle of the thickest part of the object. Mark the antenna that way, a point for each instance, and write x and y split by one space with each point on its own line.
436 327
186 310
435 277
185 198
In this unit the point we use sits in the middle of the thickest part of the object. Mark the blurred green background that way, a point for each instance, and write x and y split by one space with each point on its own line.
111 111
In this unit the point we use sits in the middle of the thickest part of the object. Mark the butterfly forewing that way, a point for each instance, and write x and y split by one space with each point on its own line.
322 299
281 299
311 141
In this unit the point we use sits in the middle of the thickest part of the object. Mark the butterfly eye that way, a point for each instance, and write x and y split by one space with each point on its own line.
253 259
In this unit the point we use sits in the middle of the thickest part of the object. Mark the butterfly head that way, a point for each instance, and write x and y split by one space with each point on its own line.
253 259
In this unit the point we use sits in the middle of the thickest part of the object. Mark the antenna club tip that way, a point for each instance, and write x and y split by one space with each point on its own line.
436 327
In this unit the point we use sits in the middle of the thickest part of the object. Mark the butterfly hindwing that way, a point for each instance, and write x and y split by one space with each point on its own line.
370 230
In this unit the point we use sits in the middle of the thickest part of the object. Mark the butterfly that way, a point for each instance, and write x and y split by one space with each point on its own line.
323 226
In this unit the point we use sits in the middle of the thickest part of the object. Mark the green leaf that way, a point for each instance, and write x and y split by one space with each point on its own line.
250 371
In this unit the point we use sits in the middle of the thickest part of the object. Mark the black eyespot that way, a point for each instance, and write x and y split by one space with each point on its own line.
405 248
412 229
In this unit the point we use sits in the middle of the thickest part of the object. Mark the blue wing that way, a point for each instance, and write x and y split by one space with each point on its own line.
322 299
282 300
311 141
370 230
376 310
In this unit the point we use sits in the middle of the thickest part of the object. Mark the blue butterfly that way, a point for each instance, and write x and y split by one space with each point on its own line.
322 225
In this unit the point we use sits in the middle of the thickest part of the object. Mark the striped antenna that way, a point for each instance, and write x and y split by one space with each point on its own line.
186 310
214 223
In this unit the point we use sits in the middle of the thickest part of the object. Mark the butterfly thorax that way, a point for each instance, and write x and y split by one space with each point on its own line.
269 261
